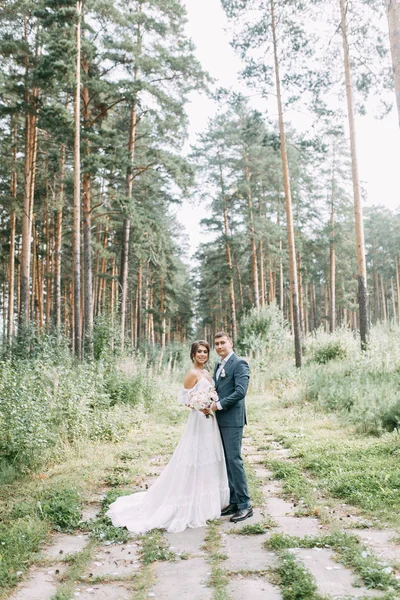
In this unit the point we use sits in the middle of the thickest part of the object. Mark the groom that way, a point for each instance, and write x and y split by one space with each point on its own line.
231 377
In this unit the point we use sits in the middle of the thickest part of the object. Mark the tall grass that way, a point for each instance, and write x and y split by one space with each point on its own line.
364 387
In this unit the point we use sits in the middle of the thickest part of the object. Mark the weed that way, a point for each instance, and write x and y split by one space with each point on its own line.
155 547
295 581
373 573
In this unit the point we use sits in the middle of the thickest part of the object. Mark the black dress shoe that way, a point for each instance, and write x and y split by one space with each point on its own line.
231 509
242 514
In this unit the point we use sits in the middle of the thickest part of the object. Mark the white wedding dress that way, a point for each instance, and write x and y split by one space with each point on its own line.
192 488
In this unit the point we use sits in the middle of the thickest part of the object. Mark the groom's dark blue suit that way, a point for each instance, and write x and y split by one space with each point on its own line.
232 387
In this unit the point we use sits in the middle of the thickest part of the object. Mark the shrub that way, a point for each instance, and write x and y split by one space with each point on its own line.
330 351
261 330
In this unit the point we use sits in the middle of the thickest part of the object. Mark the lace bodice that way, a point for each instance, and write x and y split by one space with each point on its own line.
203 383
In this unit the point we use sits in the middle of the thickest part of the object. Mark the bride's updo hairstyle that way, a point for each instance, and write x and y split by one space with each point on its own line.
195 347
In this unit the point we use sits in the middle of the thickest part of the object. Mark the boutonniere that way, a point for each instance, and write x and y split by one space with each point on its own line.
222 374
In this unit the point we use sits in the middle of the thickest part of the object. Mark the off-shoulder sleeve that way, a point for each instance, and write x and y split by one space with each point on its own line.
183 397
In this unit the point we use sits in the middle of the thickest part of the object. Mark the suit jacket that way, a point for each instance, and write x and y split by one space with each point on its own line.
232 391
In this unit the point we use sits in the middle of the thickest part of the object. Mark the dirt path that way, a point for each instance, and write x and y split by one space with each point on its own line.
222 561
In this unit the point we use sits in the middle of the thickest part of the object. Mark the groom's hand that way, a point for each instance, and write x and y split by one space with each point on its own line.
214 407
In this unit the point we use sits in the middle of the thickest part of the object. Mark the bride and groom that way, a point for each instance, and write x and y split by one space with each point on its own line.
205 478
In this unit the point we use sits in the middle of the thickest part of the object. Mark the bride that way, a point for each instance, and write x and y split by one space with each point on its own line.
193 487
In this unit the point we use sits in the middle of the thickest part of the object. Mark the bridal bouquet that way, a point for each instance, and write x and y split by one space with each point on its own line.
203 399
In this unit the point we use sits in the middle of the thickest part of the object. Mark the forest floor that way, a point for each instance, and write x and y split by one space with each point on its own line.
318 530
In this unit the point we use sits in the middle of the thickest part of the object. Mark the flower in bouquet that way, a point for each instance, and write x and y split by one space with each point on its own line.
203 400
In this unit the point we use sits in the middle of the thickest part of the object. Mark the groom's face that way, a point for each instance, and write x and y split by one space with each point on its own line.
223 346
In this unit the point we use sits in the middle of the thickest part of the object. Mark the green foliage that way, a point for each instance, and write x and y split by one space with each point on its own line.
374 573
295 581
52 400
19 541
365 388
330 351
155 547
261 330
62 508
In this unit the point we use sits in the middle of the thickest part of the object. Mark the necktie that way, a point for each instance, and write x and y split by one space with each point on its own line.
219 370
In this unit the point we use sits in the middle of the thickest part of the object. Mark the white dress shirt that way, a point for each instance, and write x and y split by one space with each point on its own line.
218 374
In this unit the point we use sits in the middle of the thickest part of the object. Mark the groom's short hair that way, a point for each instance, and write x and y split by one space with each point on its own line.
221 334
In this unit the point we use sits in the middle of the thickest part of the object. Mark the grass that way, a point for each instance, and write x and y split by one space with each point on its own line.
295 581
350 552
339 462
35 504
212 547
155 547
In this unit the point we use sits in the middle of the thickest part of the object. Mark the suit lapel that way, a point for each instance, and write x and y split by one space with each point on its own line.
226 366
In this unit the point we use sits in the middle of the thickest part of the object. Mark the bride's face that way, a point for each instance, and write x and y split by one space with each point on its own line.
201 356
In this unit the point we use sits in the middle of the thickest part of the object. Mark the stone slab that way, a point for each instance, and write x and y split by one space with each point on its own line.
103 591
41 584
255 459
273 488
382 541
189 541
332 579
281 452
262 472
276 507
246 553
228 526
120 560
255 588
63 545
90 512
186 580
298 526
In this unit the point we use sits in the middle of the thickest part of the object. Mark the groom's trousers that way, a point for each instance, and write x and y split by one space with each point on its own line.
232 442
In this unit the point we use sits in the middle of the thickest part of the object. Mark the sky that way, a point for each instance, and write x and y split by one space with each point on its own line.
378 140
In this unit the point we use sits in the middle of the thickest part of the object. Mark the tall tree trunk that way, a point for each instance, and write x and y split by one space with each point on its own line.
393 300
332 261
29 186
11 277
383 301
289 211
228 253
358 214
139 309
129 186
58 245
253 245
398 289
87 228
377 311
77 191
393 15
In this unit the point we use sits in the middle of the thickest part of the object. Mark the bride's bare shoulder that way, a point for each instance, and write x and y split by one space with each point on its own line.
191 378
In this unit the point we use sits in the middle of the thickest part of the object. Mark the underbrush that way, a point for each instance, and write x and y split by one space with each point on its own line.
50 400
363 386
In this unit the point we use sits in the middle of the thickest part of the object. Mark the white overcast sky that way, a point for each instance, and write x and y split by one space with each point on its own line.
378 140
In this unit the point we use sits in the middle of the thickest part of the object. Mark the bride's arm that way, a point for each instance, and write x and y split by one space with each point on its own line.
190 379
188 383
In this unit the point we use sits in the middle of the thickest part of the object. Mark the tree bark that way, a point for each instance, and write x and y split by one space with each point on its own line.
11 277
254 266
228 253
77 191
358 213
87 229
393 15
58 245
289 210
332 255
